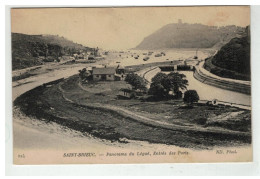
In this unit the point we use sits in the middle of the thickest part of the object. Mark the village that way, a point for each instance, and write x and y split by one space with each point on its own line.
167 84
112 100
139 85
157 89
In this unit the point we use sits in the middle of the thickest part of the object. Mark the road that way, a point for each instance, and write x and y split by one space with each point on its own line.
208 92
21 86
34 137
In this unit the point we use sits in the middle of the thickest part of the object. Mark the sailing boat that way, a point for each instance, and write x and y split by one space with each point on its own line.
196 56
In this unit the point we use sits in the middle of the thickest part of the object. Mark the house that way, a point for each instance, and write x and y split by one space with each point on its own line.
119 77
81 56
120 69
104 74
95 52
126 93
91 57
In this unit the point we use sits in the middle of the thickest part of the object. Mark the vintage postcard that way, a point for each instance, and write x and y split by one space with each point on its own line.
131 85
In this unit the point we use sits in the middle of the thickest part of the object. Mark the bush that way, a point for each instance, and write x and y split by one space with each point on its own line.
157 90
178 95
191 96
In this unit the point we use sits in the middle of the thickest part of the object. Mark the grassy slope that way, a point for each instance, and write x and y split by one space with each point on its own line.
27 48
232 60
49 104
223 72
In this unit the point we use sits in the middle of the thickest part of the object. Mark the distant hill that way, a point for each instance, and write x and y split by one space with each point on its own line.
32 50
183 35
233 59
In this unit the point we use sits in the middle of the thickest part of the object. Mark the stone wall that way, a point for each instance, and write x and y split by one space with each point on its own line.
224 84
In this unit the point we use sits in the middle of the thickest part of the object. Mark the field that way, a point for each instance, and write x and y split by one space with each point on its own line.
95 109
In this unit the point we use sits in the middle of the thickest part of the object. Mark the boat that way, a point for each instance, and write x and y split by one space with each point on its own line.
158 55
150 53
146 58
163 53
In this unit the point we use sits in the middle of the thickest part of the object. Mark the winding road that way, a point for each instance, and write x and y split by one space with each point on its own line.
21 86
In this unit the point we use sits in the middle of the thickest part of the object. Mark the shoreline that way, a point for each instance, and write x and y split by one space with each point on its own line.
133 116
133 65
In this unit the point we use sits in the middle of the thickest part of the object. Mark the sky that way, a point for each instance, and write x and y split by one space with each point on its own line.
119 28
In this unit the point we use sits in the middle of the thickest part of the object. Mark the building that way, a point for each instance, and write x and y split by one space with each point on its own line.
126 93
120 69
96 52
91 57
106 74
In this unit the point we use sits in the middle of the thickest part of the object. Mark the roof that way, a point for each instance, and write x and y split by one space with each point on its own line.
126 90
120 67
104 71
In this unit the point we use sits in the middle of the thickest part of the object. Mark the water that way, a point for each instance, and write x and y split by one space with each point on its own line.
207 92
126 58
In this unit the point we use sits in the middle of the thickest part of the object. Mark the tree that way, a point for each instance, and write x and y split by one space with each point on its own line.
157 90
177 81
136 81
130 78
171 82
158 77
190 97
84 74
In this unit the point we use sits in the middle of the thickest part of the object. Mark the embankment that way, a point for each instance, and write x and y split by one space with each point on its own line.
229 84
52 103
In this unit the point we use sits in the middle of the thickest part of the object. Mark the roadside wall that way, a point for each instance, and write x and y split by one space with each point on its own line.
148 73
233 85
151 73
224 103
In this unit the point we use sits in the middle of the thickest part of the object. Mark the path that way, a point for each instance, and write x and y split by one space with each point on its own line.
140 118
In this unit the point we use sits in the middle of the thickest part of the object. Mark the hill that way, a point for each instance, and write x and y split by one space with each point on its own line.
183 35
32 50
233 59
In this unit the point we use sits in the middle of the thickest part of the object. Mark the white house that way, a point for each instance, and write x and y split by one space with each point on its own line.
106 74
